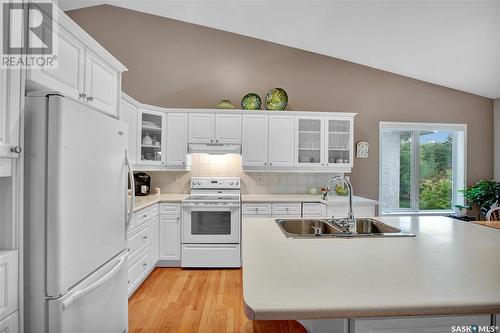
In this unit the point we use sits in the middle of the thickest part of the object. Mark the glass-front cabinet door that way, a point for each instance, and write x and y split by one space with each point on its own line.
309 141
339 141
152 137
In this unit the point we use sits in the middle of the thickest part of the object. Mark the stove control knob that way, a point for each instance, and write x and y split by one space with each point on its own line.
237 183
231 182
198 182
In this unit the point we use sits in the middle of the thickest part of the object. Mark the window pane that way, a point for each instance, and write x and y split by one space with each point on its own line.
396 170
435 168
405 170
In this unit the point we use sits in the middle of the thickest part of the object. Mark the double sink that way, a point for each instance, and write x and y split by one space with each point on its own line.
324 228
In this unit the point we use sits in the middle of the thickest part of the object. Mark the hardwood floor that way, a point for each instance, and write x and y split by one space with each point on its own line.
188 301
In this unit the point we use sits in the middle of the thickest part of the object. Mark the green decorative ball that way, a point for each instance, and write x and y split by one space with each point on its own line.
225 104
251 101
276 99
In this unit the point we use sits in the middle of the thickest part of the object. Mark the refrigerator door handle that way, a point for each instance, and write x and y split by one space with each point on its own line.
132 187
82 293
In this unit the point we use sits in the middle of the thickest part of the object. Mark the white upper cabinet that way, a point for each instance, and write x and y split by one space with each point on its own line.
85 71
214 128
129 114
309 141
68 77
339 141
151 137
228 128
255 139
201 127
281 140
10 107
177 146
102 84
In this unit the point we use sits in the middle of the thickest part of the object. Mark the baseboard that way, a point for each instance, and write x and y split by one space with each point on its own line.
168 263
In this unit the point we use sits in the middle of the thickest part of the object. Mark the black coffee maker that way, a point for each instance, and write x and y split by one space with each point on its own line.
142 183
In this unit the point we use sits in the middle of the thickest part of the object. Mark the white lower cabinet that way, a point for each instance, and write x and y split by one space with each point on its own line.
154 234
262 210
364 210
8 283
142 244
286 210
313 209
419 324
137 271
155 238
10 324
170 237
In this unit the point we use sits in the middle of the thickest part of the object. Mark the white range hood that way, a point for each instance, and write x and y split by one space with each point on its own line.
214 148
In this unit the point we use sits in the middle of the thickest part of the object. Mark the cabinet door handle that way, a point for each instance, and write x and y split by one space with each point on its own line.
216 140
265 163
90 98
16 149
82 95
145 264
144 237
270 163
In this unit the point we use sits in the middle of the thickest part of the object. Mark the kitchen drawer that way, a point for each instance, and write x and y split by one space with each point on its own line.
313 209
170 209
137 268
138 239
286 208
8 283
144 215
256 209
338 211
10 324
210 255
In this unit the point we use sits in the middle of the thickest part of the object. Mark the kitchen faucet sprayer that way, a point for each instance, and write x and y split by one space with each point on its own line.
348 224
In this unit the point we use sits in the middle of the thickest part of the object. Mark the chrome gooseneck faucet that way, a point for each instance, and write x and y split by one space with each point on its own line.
348 224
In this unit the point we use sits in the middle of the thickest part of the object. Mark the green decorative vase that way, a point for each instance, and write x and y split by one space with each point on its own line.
251 101
276 99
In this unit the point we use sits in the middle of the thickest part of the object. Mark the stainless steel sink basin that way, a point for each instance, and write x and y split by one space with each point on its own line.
324 228
306 227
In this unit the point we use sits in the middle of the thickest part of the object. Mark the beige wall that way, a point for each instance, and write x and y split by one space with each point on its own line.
496 130
176 64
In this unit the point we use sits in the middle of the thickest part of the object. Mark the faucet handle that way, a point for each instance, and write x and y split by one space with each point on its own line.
317 230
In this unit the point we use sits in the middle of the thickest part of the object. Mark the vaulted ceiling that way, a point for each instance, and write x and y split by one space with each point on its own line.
451 43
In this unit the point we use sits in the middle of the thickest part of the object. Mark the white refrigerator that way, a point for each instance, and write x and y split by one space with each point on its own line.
75 218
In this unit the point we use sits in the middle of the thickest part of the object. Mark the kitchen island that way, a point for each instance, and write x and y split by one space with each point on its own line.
450 268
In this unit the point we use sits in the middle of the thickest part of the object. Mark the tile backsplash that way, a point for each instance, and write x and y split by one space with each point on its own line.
230 165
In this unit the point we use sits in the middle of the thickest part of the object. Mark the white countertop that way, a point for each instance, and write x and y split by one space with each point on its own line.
333 200
450 267
142 202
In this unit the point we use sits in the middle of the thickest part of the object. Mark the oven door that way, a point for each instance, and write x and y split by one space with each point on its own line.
211 224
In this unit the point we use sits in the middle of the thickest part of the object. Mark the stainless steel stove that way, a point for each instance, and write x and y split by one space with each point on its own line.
211 223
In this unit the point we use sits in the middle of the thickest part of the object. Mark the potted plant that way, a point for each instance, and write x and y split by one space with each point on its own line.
484 194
